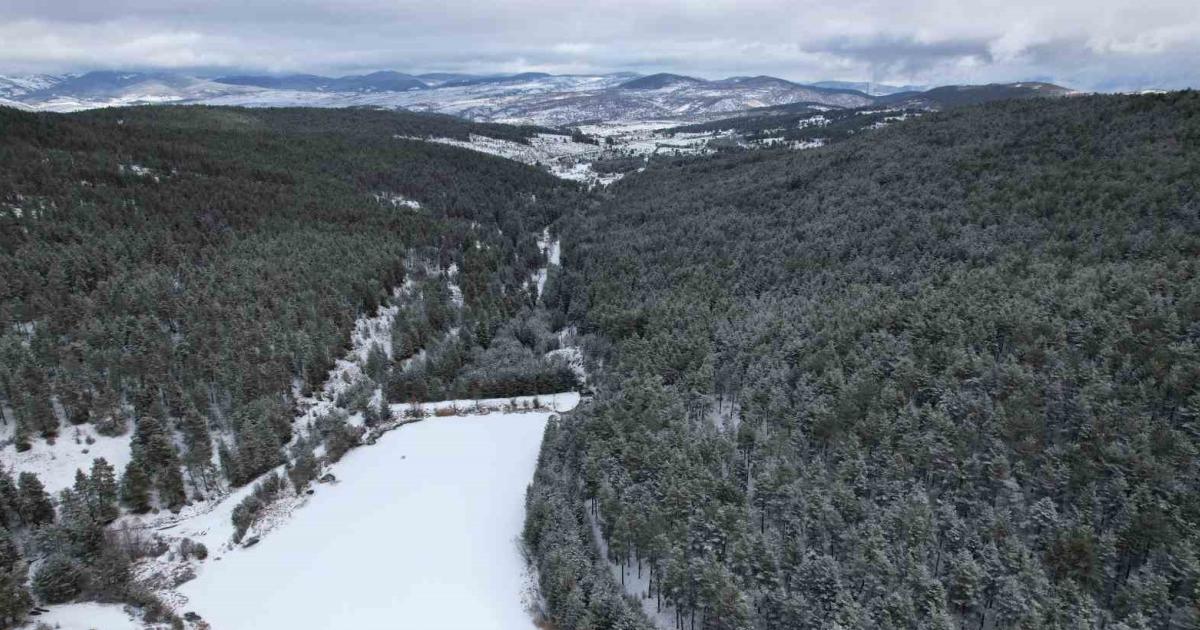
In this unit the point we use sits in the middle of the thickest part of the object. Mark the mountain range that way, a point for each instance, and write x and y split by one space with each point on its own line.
531 97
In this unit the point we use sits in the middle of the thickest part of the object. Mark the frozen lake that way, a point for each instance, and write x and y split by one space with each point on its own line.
419 533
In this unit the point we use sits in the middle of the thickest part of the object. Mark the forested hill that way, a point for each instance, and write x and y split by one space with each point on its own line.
217 254
943 374
176 276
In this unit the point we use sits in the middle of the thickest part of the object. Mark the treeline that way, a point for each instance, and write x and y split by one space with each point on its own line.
180 272
831 125
943 375
441 353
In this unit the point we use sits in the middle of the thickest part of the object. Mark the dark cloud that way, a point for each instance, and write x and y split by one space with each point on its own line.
905 56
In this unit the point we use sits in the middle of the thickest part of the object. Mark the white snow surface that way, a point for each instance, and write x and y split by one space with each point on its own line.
552 247
86 616
55 464
420 532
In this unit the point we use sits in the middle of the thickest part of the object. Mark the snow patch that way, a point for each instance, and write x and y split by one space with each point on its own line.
55 464
86 616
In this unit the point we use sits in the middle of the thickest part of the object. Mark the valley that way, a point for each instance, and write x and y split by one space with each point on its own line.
669 353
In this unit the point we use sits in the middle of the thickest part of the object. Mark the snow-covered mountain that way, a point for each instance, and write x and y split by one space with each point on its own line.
528 97
531 97
12 87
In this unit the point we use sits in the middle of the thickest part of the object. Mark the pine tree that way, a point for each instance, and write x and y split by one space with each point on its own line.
14 598
170 488
10 501
135 487
105 490
196 439
38 413
83 533
83 489
58 580
377 363
229 464
35 506
110 575
304 468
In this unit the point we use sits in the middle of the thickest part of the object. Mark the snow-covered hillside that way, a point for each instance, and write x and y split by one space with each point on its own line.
527 98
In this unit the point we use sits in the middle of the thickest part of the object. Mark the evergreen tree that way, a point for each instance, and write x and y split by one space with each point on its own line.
304 466
135 487
58 580
14 598
34 502
104 491
10 500
198 443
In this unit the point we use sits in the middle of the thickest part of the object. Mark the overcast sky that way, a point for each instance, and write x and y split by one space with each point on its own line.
1087 44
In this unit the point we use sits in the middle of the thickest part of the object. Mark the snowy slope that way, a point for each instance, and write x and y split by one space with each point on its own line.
420 532
4 102
75 448
16 86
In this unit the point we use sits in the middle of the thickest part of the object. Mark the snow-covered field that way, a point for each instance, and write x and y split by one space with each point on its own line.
86 616
420 532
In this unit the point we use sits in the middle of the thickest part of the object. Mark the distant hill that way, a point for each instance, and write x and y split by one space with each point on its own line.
950 96
104 83
498 79
528 97
660 81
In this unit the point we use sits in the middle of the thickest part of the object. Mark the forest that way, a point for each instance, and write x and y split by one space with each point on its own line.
181 275
939 374
943 374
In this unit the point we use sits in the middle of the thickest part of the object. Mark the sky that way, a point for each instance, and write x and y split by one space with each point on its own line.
1102 45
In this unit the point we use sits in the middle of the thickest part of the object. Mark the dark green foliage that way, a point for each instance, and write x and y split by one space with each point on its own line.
14 597
303 468
197 441
804 126
155 457
245 513
186 259
10 501
261 428
59 579
579 591
512 362
187 269
34 503
103 491
338 435
135 487
943 373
